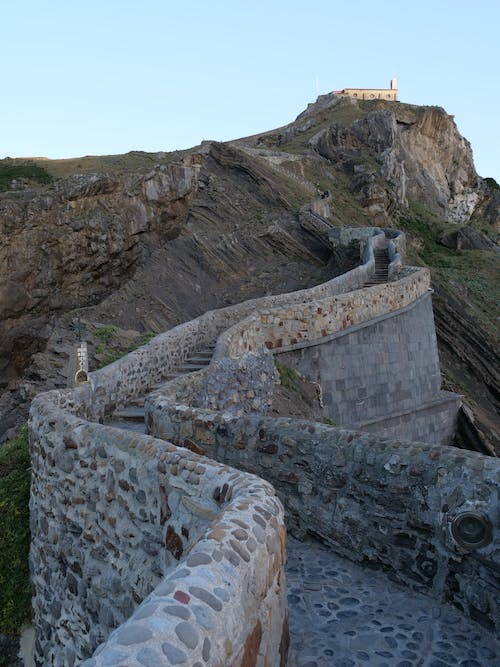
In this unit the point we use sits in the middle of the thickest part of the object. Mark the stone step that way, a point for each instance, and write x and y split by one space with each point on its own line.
136 402
132 413
206 353
173 375
204 361
190 368
135 426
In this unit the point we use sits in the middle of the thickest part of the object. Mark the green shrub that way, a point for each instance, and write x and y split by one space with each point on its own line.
288 376
114 355
471 274
15 589
491 183
105 333
32 172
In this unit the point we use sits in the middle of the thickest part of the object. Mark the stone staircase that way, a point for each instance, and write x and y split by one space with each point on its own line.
381 274
131 416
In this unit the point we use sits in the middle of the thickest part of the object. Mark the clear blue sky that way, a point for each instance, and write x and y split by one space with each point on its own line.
109 76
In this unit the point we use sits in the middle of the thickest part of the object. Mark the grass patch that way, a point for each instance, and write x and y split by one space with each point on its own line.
288 376
105 333
10 171
143 340
114 355
329 422
343 113
117 164
15 588
471 274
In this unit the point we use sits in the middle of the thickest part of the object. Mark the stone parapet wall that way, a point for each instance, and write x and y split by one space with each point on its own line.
434 421
186 555
289 328
118 518
385 503
133 375
112 510
388 365
397 252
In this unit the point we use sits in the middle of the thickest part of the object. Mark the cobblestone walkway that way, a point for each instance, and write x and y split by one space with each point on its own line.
342 615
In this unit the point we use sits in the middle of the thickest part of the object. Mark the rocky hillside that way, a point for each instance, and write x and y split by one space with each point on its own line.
134 244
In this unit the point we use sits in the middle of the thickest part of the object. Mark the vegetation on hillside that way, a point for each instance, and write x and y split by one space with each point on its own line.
288 376
116 164
110 353
10 171
468 273
491 183
15 589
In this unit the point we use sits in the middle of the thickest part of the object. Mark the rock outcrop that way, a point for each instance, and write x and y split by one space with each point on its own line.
418 154
145 241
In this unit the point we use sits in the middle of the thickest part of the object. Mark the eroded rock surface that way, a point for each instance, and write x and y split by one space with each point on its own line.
145 241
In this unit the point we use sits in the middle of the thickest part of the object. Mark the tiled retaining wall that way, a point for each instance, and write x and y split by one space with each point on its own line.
381 502
380 372
118 518
434 422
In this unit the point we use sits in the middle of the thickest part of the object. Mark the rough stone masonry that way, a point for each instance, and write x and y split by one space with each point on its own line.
144 551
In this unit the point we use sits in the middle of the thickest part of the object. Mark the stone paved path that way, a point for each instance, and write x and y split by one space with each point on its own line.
342 615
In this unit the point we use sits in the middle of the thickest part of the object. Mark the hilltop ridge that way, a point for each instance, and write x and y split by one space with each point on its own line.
142 241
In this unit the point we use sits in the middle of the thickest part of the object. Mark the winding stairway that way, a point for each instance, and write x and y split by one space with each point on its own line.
340 614
131 416
381 274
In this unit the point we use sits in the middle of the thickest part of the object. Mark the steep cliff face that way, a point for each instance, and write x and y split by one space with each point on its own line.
141 250
415 153
144 241
78 242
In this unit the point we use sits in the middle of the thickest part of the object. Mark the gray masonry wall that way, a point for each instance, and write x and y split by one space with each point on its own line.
433 422
185 554
118 518
382 503
112 512
388 367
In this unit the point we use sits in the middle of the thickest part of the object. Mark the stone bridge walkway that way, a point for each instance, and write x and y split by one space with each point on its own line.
343 615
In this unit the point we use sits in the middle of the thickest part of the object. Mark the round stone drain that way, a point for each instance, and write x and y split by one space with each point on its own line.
471 530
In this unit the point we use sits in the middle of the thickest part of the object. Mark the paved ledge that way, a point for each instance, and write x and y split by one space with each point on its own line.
342 615
444 398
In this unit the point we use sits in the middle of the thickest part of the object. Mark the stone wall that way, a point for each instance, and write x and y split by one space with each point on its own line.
380 372
297 324
370 93
434 421
113 511
383 503
118 518
186 555
133 375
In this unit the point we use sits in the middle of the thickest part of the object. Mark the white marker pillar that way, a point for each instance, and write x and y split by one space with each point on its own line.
82 372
